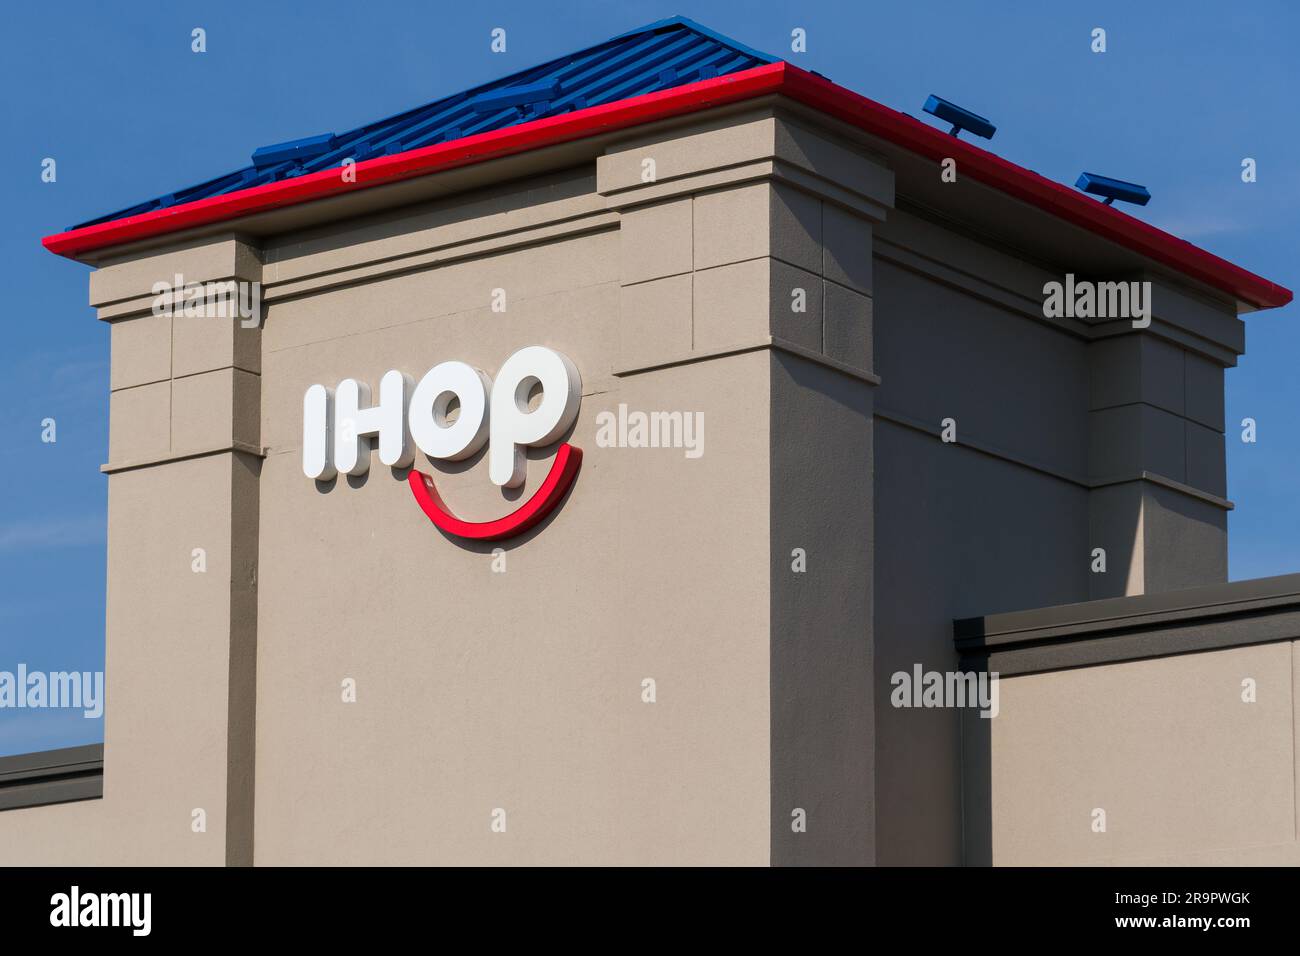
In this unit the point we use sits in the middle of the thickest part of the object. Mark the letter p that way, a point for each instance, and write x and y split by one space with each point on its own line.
513 427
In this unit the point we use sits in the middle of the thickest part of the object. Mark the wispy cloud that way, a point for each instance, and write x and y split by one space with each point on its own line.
46 534
1200 227
66 374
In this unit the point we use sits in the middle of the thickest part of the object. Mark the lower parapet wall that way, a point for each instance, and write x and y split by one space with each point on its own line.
1156 729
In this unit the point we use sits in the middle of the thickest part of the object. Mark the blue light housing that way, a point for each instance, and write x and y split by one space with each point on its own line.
959 118
295 149
1113 189
494 100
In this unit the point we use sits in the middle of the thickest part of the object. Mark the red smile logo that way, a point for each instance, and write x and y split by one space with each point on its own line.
542 502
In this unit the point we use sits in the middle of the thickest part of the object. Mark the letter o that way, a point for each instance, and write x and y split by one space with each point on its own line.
428 415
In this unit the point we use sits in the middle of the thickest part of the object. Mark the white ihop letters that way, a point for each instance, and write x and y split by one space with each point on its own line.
341 426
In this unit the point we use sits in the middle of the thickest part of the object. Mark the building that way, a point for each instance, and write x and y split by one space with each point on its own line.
682 654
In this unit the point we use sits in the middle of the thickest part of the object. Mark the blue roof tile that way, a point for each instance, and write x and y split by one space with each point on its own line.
659 56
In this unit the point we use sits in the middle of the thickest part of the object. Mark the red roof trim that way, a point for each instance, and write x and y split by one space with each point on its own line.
1061 201
418 162
979 164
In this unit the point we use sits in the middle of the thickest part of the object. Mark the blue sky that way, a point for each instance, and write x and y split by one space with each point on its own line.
113 93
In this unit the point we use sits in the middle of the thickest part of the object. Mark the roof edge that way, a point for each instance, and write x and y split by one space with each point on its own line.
1138 627
779 77
1024 184
384 170
703 31
52 776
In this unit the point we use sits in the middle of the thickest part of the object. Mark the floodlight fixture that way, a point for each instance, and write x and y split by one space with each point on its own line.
1113 189
961 119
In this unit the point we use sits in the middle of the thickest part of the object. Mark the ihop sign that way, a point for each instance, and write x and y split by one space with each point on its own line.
342 427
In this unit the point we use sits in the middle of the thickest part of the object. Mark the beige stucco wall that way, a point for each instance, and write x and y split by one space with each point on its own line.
519 690
1070 435
1185 770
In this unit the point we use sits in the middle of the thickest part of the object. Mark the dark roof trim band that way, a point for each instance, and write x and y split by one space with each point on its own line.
1216 617
52 776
